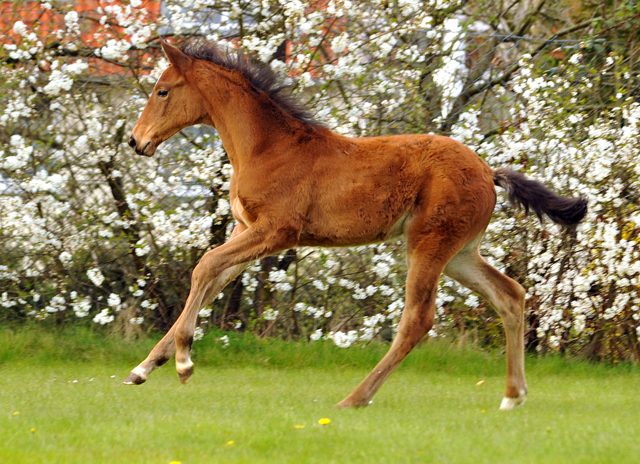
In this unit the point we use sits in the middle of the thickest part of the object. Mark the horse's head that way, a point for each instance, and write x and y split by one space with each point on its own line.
174 104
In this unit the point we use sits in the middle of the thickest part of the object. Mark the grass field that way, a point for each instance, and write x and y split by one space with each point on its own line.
62 401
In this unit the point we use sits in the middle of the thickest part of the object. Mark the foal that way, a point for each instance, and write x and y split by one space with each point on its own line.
296 183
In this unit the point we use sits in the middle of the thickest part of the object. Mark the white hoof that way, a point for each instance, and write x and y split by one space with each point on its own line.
511 403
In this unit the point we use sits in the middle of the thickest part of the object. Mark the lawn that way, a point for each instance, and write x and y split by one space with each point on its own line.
62 401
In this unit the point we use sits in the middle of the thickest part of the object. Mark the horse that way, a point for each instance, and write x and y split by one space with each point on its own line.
297 183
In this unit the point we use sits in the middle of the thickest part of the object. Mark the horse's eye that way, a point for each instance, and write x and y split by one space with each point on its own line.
163 93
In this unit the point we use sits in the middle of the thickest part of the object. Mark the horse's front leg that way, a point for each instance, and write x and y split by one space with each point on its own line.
165 348
214 271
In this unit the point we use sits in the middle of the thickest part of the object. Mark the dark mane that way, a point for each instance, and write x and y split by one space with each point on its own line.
258 74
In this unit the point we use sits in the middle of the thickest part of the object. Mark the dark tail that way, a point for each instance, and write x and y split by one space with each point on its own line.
529 194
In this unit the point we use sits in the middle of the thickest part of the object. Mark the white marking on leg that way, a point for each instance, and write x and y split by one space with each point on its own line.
184 366
511 403
141 371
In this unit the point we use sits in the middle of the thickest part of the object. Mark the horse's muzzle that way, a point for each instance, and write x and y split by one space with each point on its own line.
140 150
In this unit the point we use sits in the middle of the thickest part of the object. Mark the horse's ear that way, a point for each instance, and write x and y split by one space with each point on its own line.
176 57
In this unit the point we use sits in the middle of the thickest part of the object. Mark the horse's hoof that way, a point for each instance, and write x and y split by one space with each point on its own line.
509 404
347 403
185 373
134 379
342 405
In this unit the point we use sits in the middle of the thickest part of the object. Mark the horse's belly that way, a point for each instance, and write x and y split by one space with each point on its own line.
352 232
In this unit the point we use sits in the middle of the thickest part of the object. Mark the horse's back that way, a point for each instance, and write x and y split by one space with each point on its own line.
364 188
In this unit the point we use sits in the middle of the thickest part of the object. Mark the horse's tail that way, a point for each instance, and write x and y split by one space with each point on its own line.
529 194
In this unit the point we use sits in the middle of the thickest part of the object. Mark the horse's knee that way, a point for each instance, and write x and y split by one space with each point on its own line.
203 271
519 294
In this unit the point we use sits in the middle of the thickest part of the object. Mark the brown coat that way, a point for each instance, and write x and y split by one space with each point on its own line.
296 183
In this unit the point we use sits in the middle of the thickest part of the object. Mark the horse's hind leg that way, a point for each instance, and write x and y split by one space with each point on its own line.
507 297
428 254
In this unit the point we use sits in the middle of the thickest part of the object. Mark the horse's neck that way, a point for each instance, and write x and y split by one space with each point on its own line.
238 117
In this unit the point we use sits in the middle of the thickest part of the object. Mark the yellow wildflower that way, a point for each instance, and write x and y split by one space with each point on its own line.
16 413
230 442
298 426
324 421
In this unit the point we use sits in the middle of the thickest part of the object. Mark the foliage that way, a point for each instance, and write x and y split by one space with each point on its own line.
582 283
92 234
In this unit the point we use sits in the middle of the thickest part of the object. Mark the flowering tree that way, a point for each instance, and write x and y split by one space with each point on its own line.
91 232
582 283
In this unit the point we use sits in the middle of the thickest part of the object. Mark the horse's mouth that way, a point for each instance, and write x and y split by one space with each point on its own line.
148 150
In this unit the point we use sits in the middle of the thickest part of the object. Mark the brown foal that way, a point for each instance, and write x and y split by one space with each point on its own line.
296 183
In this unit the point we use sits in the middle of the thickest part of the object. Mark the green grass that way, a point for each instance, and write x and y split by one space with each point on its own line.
255 393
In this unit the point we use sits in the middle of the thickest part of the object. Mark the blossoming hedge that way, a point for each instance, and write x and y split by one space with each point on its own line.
92 234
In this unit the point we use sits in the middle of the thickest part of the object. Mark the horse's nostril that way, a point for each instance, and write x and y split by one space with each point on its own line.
132 142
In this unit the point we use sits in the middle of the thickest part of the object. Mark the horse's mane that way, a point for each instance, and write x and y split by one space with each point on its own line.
258 74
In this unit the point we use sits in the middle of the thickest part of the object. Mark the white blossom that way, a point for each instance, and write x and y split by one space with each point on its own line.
114 300
205 312
20 28
81 307
104 317
343 340
95 276
270 314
